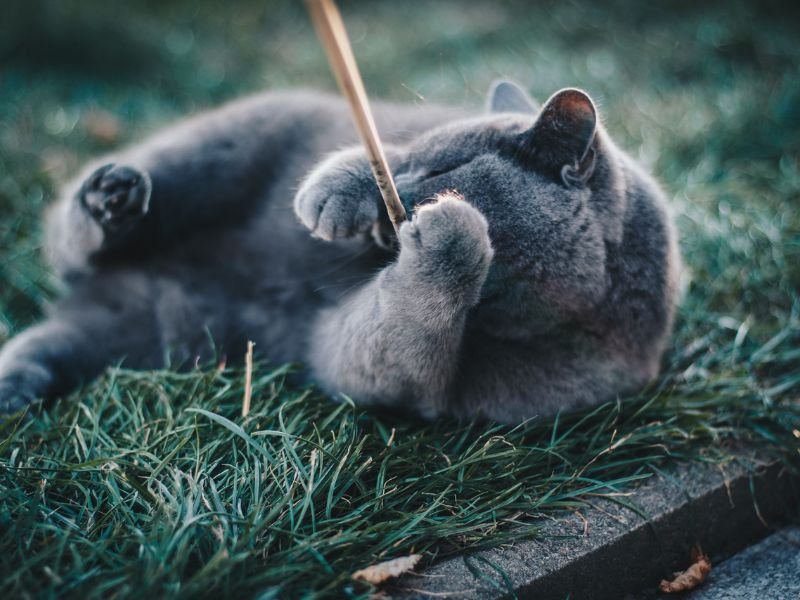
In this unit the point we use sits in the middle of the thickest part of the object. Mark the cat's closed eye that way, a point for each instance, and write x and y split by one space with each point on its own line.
436 172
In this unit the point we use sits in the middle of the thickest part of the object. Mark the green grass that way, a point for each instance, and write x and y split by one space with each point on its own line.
151 483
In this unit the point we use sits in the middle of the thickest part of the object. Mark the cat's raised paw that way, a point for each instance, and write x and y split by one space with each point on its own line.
448 241
450 226
116 195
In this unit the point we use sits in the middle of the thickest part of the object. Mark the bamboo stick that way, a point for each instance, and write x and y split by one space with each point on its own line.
333 35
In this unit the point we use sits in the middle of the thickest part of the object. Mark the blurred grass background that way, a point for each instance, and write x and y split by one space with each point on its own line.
705 94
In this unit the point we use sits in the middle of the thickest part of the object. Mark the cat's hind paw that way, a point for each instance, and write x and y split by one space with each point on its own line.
116 196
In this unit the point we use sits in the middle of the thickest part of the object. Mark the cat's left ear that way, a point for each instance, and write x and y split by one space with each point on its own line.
507 97
563 134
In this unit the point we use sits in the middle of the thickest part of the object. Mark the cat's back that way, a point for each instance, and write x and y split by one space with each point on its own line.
293 126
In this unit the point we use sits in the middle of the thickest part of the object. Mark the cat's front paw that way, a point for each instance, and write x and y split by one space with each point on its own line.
332 216
447 244
339 199
115 196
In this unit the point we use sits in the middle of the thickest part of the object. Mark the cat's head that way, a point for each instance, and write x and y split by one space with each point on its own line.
516 160
541 177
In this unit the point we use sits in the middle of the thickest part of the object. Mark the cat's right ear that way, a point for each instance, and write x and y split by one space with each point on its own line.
507 97
562 138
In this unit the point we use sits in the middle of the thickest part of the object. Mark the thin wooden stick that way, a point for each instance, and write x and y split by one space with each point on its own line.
332 33
248 379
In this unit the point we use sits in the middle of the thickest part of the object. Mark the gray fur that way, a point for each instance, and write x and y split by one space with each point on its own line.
550 284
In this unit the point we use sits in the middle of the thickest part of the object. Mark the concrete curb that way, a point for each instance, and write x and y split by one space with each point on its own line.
617 550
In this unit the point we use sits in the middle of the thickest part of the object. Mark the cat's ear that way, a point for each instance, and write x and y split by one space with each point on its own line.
507 97
563 134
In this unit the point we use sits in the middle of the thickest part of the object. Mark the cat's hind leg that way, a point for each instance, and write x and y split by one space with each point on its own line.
73 347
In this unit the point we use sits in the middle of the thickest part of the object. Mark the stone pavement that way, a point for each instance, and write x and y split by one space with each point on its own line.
768 570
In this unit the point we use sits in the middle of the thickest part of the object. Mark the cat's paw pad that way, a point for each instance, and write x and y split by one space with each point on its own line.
449 231
115 195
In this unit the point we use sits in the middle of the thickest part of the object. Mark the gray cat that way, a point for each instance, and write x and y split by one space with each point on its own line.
537 273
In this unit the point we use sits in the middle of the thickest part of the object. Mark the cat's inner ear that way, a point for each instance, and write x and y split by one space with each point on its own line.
563 134
508 97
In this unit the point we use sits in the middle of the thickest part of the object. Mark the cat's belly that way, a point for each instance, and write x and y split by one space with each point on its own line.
269 292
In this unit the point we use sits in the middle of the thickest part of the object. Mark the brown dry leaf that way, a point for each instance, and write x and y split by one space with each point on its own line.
387 570
691 577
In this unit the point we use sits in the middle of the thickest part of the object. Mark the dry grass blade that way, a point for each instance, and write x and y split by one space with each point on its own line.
248 379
